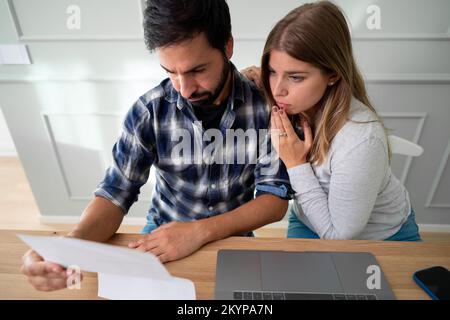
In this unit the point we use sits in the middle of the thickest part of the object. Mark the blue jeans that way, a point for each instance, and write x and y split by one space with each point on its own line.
408 232
149 227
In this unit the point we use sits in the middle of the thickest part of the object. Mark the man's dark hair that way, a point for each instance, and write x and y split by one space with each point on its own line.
168 22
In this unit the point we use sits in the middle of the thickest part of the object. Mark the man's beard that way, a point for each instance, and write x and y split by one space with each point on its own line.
212 96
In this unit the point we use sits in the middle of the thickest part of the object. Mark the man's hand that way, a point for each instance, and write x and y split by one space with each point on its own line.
42 275
173 241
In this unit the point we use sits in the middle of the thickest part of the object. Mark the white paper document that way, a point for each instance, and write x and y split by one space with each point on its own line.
123 273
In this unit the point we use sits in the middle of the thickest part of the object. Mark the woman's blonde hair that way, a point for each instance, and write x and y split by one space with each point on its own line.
317 33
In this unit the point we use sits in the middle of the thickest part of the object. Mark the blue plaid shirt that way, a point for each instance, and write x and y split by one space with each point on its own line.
189 191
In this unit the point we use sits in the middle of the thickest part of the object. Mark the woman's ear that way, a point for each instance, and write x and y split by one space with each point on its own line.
229 48
332 79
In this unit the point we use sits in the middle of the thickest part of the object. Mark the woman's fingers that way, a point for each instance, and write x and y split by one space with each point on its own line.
253 73
277 120
308 133
287 126
273 125
272 122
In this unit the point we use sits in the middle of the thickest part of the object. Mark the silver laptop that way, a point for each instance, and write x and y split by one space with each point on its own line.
283 275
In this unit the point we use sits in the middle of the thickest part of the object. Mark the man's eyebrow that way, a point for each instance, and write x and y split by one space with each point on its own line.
188 71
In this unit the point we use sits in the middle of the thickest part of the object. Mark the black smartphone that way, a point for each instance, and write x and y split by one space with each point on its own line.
435 281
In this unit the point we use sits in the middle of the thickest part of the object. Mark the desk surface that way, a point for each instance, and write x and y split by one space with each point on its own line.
398 261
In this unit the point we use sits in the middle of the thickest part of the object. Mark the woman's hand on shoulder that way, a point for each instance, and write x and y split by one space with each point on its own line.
253 74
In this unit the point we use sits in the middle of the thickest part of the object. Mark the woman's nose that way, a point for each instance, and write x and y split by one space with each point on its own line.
280 90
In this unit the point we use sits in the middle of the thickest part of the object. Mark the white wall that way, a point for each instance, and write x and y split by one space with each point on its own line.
64 109
7 147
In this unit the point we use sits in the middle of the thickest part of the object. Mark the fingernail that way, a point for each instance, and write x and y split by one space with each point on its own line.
281 112
275 109
306 124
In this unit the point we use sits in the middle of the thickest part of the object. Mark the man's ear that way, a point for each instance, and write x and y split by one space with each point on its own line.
229 48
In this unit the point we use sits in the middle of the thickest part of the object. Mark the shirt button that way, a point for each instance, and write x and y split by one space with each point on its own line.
210 208
213 186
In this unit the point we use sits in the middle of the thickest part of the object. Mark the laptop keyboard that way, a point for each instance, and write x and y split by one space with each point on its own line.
265 295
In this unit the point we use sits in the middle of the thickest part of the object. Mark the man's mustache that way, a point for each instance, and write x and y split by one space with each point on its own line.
200 95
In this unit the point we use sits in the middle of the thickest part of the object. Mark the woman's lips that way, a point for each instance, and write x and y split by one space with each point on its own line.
283 105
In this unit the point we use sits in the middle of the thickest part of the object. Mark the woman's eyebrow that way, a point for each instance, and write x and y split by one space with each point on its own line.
296 72
291 72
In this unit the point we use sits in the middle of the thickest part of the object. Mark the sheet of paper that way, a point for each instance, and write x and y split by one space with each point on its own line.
123 273
117 287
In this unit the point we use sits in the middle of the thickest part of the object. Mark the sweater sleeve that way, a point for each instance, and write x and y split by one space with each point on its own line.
356 177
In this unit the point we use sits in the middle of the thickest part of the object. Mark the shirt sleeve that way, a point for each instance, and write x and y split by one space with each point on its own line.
270 173
132 156
356 178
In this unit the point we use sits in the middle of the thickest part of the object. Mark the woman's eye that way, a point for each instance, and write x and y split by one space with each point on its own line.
296 78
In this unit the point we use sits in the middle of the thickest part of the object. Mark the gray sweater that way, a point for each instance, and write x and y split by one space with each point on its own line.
353 193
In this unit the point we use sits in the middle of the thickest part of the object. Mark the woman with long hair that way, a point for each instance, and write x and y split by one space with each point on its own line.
328 134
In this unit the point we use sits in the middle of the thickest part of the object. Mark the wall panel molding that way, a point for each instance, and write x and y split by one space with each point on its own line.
359 36
426 79
20 36
356 36
48 128
437 180
420 116
401 37
15 20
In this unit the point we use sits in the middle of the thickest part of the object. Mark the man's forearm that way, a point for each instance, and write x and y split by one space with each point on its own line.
99 221
263 210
